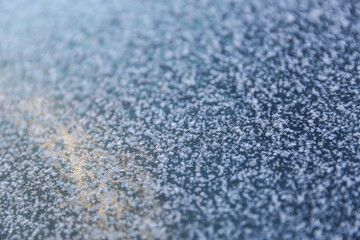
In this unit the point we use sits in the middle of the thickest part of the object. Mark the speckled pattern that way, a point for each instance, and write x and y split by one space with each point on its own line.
179 119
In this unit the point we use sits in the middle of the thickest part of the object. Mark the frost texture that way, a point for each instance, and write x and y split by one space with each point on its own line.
179 119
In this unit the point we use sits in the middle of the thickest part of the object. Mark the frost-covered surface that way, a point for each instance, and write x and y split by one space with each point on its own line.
179 119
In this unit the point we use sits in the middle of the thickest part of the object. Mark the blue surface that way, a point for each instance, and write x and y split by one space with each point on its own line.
179 119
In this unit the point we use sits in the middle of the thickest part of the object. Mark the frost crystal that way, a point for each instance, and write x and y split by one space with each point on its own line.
179 119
